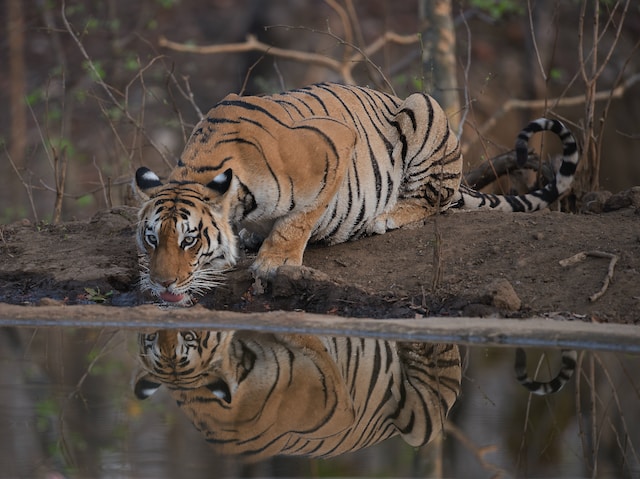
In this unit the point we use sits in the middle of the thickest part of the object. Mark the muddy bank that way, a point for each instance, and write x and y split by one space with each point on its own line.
392 275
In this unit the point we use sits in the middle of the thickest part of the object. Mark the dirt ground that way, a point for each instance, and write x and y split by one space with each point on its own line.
490 264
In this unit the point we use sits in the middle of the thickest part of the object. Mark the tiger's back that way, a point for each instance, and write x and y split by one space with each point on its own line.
384 150
259 395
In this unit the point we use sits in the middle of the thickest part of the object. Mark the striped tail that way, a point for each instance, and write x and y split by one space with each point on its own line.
468 198
569 357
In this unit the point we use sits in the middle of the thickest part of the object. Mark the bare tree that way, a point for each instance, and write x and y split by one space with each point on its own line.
439 56
17 81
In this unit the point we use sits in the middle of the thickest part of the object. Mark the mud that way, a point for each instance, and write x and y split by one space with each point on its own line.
473 264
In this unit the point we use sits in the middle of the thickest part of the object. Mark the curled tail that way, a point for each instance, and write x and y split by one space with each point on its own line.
468 198
569 357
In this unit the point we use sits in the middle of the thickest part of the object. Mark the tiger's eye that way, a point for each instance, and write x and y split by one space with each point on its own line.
188 336
152 239
188 241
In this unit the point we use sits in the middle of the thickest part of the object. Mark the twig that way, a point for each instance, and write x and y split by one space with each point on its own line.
76 393
28 187
534 41
593 127
61 160
247 76
108 89
594 415
346 23
625 444
479 452
186 92
436 279
126 180
105 188
465 91
613 259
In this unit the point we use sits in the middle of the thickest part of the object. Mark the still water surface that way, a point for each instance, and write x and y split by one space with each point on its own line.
68 409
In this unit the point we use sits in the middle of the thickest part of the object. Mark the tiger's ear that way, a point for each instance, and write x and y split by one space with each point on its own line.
220 184
145 386
145 181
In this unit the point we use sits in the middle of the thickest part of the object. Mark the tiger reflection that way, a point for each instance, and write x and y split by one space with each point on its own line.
260 395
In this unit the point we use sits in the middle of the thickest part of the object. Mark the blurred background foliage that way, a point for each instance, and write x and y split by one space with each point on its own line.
92 91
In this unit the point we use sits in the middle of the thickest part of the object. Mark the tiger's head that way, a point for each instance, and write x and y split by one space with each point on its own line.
248 393
180 360
183 235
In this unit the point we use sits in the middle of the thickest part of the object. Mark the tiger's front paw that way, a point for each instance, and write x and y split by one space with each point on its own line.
264 269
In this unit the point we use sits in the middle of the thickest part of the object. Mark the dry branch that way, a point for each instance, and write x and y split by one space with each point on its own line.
576 258
591 67
490 170
479 452
252 44
539 332
27 186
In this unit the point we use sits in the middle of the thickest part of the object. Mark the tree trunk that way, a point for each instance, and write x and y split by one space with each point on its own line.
439 57
17 81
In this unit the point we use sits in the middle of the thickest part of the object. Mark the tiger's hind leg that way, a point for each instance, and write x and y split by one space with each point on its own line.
429 153
405 212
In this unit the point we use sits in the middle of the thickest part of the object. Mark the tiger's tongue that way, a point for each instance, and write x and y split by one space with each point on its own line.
170 297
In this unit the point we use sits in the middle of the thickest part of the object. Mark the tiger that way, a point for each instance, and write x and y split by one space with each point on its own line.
325 163
541 388
256 395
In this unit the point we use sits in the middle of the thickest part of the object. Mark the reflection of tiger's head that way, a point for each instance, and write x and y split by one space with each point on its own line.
184 236
247 392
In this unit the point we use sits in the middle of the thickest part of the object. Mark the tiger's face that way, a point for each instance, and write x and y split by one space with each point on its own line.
241 387
179 359
184 237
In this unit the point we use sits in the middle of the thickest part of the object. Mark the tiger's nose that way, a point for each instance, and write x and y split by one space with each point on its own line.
163 281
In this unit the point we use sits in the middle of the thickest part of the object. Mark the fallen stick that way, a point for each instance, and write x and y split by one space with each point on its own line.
538 332
613 259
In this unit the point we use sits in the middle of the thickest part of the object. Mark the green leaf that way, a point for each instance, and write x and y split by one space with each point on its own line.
85 201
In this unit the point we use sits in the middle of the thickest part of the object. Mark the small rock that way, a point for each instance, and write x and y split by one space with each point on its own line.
479 310
618 201
258 287
634 194
503 296
630 197
594 201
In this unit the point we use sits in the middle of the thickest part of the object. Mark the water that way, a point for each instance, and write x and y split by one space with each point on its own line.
67 409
